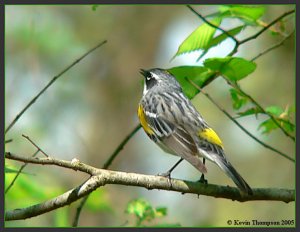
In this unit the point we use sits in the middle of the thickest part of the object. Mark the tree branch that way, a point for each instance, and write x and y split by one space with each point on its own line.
101 177
50 83
74 164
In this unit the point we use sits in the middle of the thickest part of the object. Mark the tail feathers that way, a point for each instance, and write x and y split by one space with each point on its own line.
234 175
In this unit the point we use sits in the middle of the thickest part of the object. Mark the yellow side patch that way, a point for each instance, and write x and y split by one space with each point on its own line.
211 136
143 121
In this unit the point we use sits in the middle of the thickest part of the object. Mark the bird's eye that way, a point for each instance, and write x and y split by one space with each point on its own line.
148 78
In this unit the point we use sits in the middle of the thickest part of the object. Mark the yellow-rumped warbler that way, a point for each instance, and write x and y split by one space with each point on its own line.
171 121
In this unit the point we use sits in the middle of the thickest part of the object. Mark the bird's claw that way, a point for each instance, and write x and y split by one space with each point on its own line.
166 175
202 179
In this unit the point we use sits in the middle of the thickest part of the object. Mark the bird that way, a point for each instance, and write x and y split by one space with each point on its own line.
170 120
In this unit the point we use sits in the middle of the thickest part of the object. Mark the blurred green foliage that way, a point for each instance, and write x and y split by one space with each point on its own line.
25 188
145 212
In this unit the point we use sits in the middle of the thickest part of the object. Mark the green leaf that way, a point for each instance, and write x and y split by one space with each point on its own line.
267 126
287 125
290 111
140 208
250 111
249 14
161 211
220 38
94 7
234 68
274 110
282 116
238 100
198 74
143 211
199 39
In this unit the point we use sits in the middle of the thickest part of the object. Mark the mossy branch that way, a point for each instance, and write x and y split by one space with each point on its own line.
101 177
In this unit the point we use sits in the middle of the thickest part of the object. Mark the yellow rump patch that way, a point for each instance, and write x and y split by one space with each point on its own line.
143 121
211 136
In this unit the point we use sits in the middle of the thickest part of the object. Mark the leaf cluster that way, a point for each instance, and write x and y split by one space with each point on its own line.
145 212
233 69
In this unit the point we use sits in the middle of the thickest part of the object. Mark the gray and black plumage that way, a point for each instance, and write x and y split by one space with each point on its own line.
171 121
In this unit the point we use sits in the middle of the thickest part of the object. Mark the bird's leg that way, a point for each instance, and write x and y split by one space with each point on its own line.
168 173
202 178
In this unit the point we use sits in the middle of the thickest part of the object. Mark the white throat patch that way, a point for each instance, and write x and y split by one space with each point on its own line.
145 89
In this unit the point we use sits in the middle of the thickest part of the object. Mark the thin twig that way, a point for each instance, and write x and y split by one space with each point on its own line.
272 29
121 146
101 177
239 125
8 141
105 166
50 83
212 25
19 172
78 210
39 149
266 27
272 47
261 109
259 32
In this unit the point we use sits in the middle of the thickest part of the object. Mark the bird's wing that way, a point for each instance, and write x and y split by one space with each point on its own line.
173 138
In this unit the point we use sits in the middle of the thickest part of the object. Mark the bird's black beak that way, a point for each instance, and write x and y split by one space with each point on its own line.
144 72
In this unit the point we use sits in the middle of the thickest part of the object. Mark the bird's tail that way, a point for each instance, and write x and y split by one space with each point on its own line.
234 175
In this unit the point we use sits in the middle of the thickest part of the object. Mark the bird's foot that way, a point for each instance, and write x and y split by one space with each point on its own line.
166 175
202 179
